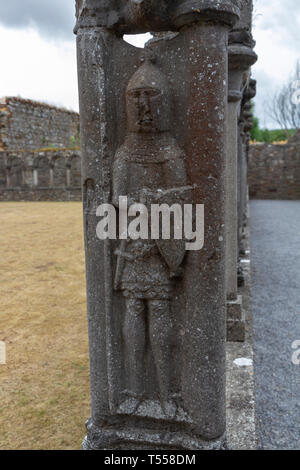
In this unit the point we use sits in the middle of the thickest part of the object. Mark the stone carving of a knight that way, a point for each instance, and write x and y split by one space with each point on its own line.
148 168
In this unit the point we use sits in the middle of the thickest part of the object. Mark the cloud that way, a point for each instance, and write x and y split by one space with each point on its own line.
52 18
35 69
276 31
283 20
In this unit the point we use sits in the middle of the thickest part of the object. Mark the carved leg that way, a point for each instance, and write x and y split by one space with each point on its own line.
134 332
161 337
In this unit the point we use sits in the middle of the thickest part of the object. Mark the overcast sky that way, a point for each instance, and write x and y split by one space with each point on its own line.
38 56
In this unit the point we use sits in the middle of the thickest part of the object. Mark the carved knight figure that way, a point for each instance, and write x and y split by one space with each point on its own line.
148 168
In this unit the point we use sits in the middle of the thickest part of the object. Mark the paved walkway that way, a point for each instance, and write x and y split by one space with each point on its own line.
275 239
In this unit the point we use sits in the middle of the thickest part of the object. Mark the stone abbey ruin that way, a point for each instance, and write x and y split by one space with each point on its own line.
40 157
168 124
39 152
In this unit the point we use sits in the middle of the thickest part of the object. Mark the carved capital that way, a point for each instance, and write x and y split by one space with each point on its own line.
138 16
241 33
240 59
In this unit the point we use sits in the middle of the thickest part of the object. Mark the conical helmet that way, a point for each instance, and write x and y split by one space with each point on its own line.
148 76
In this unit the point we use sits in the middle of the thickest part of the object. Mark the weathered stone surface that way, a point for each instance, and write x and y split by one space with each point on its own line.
242 30
38 156
178 326
245 126
55 194
236 330
274 170
234 308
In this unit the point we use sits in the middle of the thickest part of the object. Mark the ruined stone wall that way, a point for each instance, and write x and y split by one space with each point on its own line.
29 125
274 170
53 175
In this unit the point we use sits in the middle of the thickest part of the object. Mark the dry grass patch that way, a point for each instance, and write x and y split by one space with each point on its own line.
44 387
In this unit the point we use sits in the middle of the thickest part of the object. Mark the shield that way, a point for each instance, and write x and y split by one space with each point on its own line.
173 252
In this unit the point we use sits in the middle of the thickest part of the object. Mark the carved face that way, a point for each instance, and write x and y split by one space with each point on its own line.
145 110
147 101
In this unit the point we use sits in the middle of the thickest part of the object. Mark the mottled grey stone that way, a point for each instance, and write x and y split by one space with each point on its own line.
274 170
234 308
275 227
27 125
240 58
40 175
177 329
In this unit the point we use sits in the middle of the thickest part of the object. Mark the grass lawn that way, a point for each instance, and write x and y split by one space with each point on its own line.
44 387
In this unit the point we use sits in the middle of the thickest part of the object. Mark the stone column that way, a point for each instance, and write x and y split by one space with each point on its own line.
8 178
241 56
153 129
51 175
245 126
68 169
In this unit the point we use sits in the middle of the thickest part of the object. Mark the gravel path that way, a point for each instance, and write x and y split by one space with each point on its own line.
275 239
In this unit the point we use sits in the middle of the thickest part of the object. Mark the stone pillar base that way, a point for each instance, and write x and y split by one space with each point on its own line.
108 438
235 320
